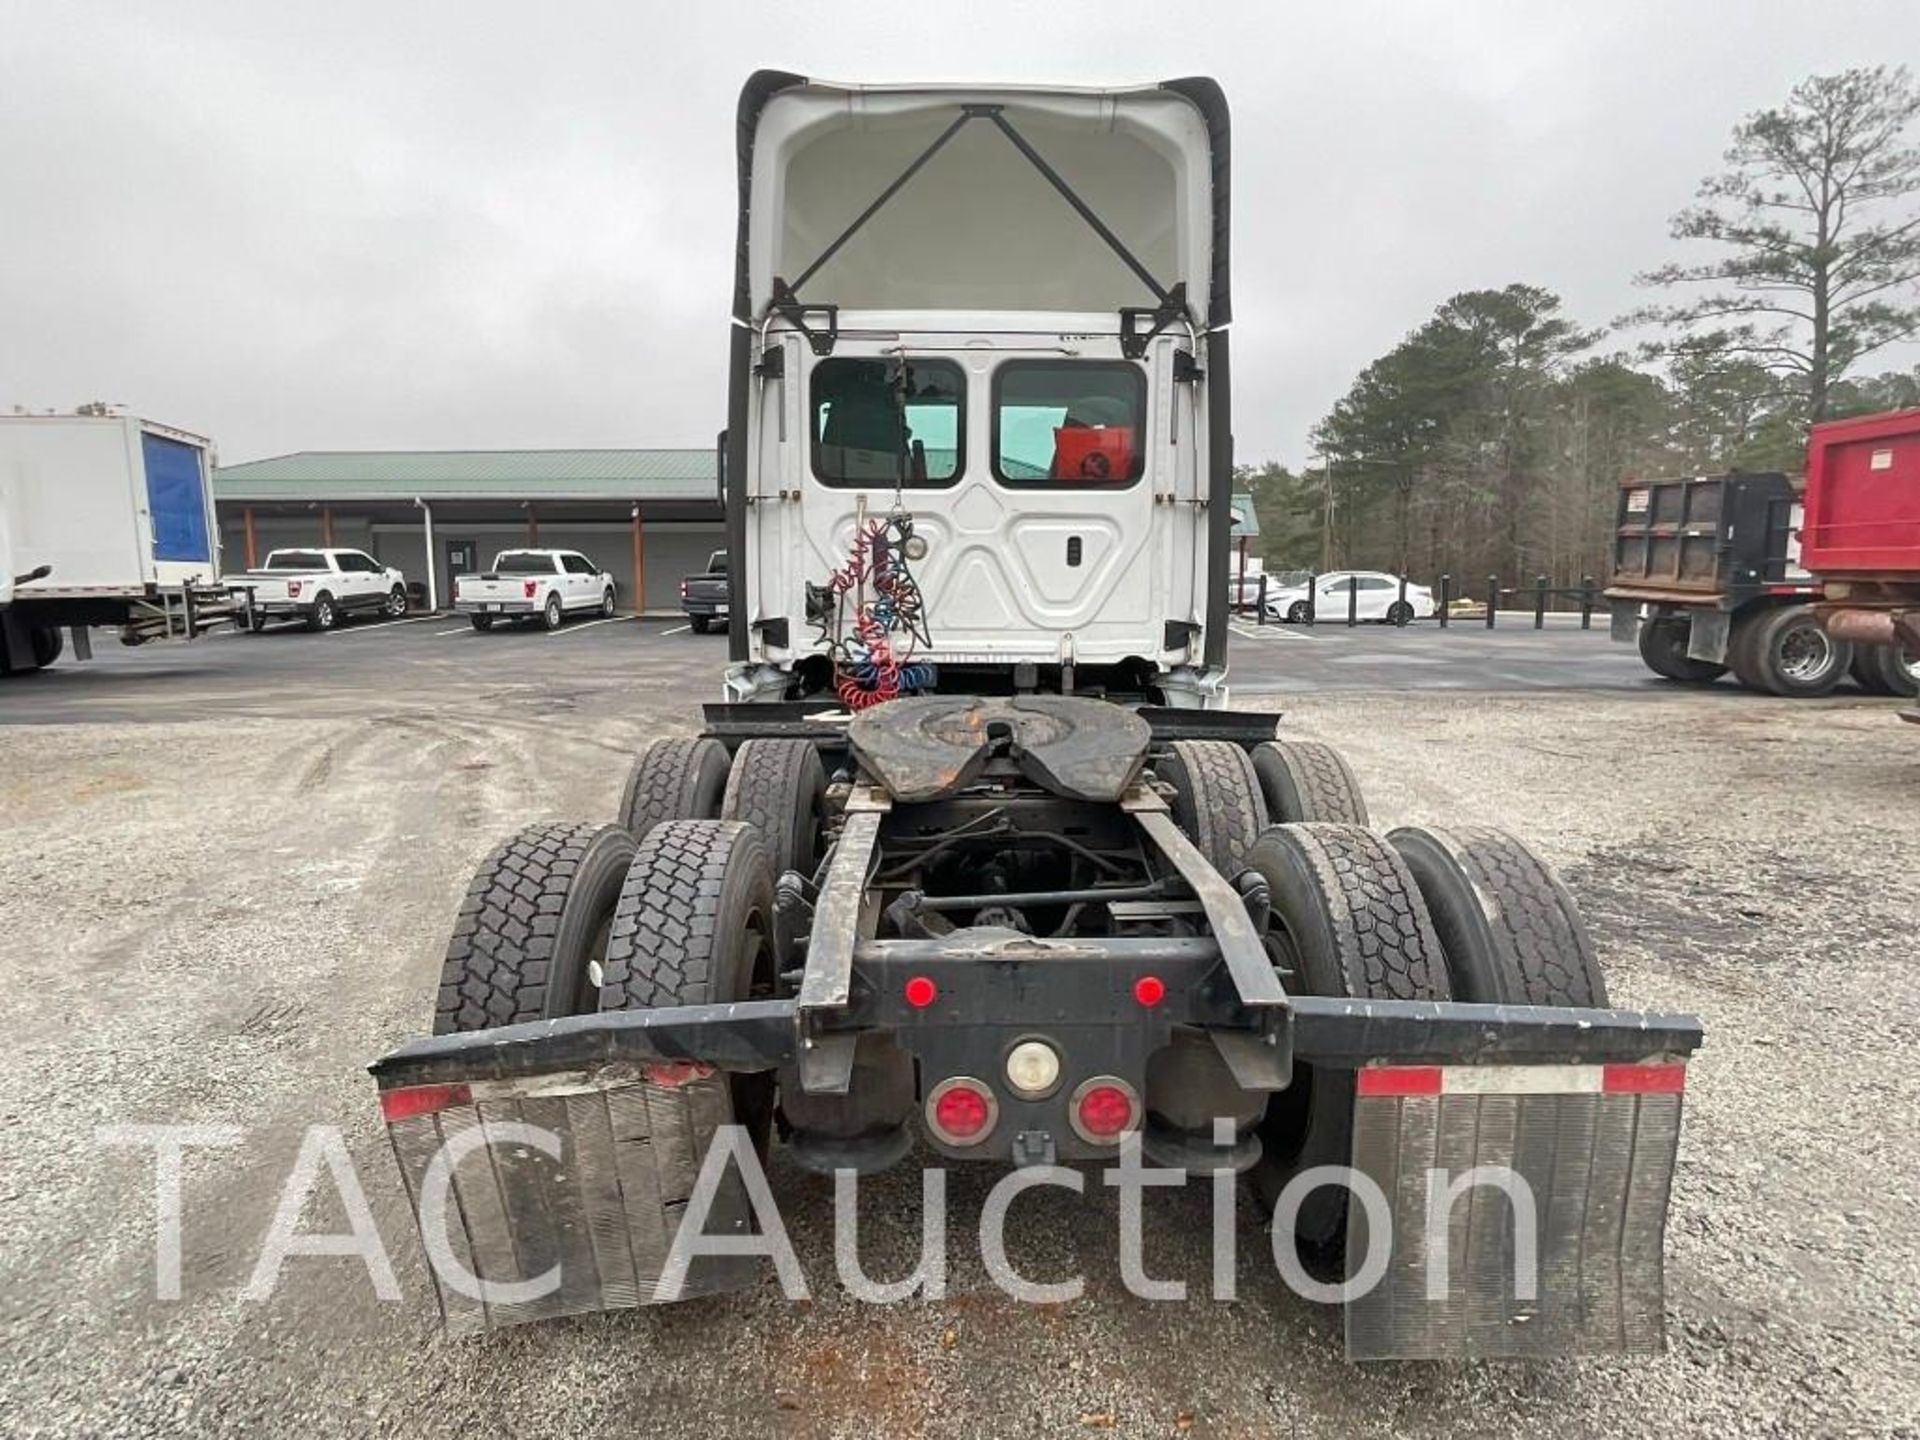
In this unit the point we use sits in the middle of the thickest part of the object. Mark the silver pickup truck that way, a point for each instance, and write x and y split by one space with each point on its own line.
544 585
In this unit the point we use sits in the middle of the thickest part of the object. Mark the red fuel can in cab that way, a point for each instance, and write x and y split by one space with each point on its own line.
1093 453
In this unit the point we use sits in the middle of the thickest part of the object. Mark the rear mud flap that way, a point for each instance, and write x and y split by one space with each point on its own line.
536 1206
1594 1169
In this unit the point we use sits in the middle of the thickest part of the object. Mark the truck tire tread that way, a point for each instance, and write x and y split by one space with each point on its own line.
1509 927
1358 928
776 786
688 877
681 935
1303 780
1382 939
680 778
1217 799
500 964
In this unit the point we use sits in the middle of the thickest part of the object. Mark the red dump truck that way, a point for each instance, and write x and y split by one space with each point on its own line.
1793 586
1861 531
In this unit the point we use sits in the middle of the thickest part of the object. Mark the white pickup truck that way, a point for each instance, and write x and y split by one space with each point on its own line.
547 585
321 587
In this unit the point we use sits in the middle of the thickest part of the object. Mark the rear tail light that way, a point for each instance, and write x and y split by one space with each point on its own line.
530 586
683 589
1103 1109
293 589
961 1111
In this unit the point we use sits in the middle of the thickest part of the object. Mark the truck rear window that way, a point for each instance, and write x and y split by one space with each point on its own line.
523 562
296 560
1069 424
888 422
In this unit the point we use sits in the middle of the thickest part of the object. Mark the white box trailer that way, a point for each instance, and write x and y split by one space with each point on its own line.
104 520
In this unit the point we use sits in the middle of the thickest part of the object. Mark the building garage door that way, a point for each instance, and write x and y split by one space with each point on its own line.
673 552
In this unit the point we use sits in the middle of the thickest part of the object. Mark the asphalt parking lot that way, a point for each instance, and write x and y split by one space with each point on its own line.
230 868
286 670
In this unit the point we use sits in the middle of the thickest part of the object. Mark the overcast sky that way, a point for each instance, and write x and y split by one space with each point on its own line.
459 226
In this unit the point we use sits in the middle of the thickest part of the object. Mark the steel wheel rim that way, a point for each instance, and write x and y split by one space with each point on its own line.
1806 654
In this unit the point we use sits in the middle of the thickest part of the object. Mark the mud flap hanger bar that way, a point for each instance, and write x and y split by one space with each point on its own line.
1171 309
759 1035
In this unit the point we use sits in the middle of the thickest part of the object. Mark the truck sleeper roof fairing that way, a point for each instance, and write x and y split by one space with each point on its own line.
835 204
1102 212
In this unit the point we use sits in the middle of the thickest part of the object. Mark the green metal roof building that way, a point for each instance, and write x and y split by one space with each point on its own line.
648 516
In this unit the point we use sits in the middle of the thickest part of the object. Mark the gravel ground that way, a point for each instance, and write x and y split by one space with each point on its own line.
218 923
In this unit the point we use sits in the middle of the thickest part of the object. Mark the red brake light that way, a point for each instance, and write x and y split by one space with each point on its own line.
530 586
1104 1109
422 1100
961 1111
1149 990
921 992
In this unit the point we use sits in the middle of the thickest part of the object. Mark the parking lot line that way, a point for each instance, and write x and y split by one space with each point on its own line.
458 630
383 625
580 625
677 630
1265 632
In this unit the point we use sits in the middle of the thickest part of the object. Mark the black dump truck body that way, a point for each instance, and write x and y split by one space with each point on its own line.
1707 579
1716 540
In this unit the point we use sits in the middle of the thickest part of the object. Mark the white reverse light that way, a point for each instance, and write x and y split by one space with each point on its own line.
1033 1067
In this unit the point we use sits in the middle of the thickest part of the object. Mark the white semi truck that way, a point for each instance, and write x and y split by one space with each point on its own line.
104 520
976 865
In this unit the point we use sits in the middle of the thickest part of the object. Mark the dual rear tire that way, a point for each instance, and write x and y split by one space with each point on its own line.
1663 648
573 919
1785 651
1885 670
1225 797
777 786
1467 914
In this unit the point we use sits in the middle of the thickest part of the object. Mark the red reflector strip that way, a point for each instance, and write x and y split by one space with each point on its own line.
1400 1080
1666 1079
672 1074
422 1100
1654 1078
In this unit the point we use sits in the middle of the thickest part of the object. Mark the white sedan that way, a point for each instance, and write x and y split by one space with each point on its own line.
1375 595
